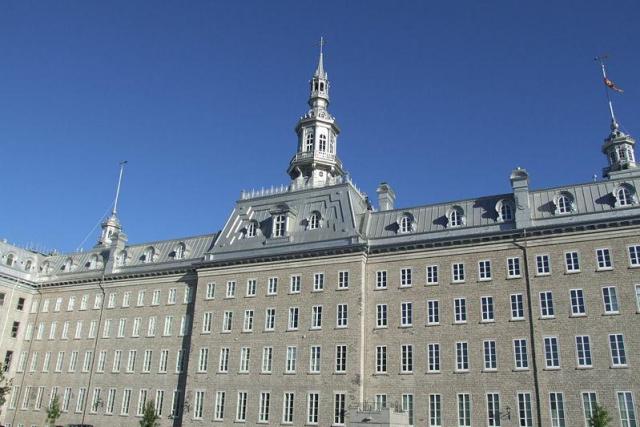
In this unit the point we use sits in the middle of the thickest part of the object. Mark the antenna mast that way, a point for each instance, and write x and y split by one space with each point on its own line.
601 59
115 202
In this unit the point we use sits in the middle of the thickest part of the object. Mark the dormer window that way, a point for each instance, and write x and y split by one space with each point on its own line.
279 225
314 221
68 264
147 255
456 217
309 141
322 143
179 251
564 203
625 195
121 259
505 210
10 260
93 262
46 267
252 229
405 224
28 266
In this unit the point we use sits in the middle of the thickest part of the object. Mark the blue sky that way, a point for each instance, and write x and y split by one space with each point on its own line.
440 99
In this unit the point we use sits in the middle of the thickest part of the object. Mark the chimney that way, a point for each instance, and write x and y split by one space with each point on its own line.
386 197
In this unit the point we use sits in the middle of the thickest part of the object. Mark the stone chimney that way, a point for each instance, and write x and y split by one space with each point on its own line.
386 197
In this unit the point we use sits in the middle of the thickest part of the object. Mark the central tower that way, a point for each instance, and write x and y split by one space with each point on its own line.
316 162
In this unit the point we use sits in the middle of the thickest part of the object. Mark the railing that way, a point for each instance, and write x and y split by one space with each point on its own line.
295 186
314 154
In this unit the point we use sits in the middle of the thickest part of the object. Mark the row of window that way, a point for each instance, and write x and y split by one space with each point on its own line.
578 307
128 360
295 285
513 266
141 300
121 331
434 351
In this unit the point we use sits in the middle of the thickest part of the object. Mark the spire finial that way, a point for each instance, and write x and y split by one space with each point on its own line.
115 202
320 70
608 85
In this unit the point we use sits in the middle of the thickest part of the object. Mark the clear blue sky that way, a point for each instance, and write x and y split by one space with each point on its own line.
440 99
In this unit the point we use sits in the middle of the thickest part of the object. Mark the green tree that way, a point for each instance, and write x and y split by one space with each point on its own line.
149 417
5 385
600 417
53 411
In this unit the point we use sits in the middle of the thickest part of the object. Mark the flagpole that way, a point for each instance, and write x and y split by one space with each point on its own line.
601 59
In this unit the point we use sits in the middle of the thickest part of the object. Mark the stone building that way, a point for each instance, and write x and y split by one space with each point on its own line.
518 309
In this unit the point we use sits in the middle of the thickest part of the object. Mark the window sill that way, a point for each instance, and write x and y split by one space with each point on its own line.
249 296
546 317
380 374
517 320
464 371
405 286
432 324
433 373
604 269
612 313
619 367
457 282
380 289
485 280
551 368
405 373
584 368
405 326
572 272
520 370
432 284
342 289
484 322
460 323
514 277
489 371
578 315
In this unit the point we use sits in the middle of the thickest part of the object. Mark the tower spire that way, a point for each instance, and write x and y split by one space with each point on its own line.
316 161
111 228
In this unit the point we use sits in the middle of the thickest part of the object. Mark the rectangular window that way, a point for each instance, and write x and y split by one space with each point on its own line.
406 357
484 270
111 400
405 277
245 358
433 312
187 295
520 354
342 316
56 306
66 399
231 289
227 322
517 307
142 400
290 366
381 280
247 325
464 410
140 301
525 416
207 320
316 317
490 359
634 256
616 346
110 304
589 403
406 314
577 302
159 402
435 410
279 225
462 356
45 364
432 275
125 300
457 272
343 279
272 286
318 281
543 266
197 410
339 409
172 296
341 358
487 309
270 319
551 355
122 324
84 302
59 361
86 363
287 408
293 322
203 360
313 403
223 364
135 332
164 357
381 359
546 305
638 298
102 360
460 310
513 268
82 397
211 291
572 262
117 358
175 404
267 360
168 326
131 361
126 401
251 287
73 361
381 316
263 409
493 409
218 414
65 330
155 297
610 300
380 402
603 257
295 284
433 353
78 333
583 351
185 328
95 400
241 408
407 406
627 409
556 406
314 359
